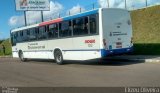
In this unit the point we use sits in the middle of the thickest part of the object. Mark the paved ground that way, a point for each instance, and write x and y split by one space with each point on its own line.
89 74
144 58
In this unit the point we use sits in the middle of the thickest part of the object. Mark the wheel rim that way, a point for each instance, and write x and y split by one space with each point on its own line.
21 56
59 58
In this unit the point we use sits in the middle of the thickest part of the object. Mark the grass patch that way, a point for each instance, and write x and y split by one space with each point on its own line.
146 30
7 45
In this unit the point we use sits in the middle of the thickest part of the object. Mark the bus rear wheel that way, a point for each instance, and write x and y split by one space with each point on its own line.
21 56
58 57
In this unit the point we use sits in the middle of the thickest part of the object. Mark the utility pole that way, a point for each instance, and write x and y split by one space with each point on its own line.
125 4
146 3
42 16
108 3
25 18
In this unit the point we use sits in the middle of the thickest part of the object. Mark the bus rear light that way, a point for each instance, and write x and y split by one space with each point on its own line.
131 40
104 42
129 22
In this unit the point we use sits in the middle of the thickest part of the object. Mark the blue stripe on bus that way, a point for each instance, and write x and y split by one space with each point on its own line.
105 53
62 50
84 50
80 15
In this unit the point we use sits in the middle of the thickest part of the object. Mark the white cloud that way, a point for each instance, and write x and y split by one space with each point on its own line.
35 16
103 3
15 20
75 9
55 9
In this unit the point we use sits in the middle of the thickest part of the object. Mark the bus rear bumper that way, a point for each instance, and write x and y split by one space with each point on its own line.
105 52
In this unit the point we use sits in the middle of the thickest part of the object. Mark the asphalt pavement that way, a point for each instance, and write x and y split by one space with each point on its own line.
142 58
106 73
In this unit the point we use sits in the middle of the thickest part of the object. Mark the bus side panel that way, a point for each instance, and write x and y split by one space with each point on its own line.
62 44
77 48
91 54
87 47
14 52
37 49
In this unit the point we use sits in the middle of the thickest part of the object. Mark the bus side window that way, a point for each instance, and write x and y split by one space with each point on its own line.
36 32
85 28
32 35
42 33
70 28
77 23
28 32
13 38
65 30
21 33
16 36
74 27
19 36
60 31
93 24
53 31
80 26
25 38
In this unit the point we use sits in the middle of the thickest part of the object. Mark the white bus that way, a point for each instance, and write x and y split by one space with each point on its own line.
89 35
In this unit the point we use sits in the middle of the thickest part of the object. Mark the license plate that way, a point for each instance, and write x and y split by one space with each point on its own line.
118 44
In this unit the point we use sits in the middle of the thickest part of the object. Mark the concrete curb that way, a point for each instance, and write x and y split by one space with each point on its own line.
137 58
146 60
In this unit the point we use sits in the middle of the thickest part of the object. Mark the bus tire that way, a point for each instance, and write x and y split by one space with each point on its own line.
21 56
58 57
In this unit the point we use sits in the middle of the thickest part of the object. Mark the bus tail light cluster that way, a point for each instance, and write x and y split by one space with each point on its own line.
131 40
104 42
129 22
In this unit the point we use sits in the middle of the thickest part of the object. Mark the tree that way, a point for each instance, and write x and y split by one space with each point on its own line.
1 40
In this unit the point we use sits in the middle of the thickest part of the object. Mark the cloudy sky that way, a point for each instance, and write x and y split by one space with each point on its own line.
10 18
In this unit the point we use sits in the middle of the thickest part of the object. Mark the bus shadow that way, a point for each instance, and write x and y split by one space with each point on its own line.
41 61
104 62
96 62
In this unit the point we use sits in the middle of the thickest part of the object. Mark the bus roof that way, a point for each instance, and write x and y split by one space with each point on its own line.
57 20
61 19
